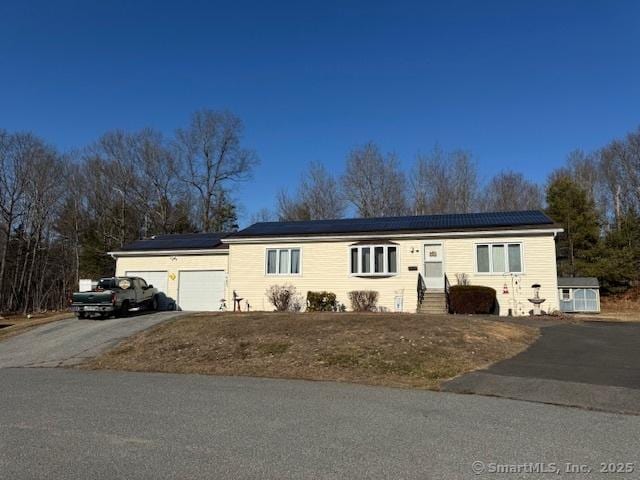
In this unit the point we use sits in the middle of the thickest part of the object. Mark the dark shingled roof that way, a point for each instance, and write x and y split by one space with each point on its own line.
424 223
577 282
185 241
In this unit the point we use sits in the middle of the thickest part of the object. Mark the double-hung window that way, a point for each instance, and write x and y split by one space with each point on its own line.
373 260
283 261
499 258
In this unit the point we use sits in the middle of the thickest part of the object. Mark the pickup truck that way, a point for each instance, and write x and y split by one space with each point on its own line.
115 296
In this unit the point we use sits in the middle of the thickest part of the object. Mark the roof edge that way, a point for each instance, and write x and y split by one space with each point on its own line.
522 230
169 253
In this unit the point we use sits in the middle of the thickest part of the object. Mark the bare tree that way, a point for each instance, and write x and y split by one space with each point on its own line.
212 157
263 215
430 183
585 171
444 182
168 201
374 183
464 178
289 208
318 197
30 194
14 151
508 191
43 195
620 171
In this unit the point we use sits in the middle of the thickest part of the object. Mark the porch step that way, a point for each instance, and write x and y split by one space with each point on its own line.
433 303
432 310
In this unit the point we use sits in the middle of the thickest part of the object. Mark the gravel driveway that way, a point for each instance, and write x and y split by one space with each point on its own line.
69 342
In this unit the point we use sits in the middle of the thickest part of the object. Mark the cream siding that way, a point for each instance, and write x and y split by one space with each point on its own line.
173 265
325 266
539 265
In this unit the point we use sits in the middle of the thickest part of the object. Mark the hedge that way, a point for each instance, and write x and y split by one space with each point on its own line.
363 300
321 302
472 299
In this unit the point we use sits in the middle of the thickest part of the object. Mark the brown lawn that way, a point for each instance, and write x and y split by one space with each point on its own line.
381 349
624 307
15 324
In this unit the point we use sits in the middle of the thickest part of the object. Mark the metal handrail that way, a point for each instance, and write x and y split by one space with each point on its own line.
422 288
447 287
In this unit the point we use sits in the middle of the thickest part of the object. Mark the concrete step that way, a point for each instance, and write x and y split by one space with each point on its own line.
441 306
433 303
438 311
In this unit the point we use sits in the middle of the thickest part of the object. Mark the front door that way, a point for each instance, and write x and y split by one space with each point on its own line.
433 266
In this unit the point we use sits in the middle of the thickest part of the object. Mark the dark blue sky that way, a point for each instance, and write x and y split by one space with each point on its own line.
520 84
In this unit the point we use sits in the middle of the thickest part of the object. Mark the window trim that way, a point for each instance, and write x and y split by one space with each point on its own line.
506 258
385 260
278 250
570 297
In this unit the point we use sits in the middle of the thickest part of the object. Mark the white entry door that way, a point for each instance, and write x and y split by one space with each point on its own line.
433 266
201 290
157 278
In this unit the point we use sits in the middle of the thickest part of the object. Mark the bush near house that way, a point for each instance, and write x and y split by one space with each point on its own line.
284 298
321 302
363 300
472 299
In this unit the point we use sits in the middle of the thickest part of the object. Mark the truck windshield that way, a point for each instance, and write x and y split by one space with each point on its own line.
109 283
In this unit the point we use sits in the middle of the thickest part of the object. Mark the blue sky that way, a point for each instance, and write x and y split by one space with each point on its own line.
520 84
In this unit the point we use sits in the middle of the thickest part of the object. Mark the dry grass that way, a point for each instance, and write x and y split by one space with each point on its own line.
379 349
21 323
624 307
612 314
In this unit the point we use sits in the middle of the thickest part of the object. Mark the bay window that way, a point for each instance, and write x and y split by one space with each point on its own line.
499 258
283 261
373 260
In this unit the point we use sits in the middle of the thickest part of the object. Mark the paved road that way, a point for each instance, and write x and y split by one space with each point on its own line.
69 342
73 424
593 365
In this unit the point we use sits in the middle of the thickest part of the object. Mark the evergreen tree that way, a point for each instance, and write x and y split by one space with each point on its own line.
571 206
616 261
224 217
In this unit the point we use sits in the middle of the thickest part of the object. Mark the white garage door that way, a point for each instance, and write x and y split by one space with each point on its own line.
156 278
201 290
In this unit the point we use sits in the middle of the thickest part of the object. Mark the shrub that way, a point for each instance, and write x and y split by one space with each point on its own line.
363 300
321 302
472 299
284 298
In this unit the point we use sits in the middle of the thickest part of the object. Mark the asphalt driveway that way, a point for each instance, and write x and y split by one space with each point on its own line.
69 342
588 364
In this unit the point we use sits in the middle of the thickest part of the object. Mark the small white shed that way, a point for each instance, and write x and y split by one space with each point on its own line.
579 294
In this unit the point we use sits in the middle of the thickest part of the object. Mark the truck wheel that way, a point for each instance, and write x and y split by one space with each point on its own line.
81 315
124 309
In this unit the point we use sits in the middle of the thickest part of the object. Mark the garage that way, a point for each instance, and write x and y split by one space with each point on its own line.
157 278
189 269
201 290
